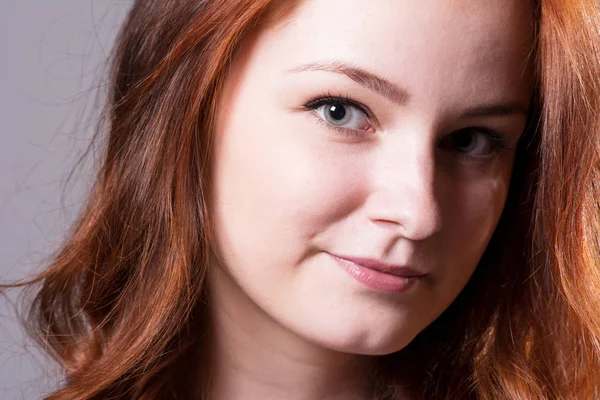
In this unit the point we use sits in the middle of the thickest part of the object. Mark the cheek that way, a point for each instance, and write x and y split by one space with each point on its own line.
274 186
472 214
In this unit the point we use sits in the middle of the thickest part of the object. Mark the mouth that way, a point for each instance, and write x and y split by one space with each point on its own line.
379 276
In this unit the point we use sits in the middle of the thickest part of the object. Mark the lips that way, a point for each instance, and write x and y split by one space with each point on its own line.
391 269
379 276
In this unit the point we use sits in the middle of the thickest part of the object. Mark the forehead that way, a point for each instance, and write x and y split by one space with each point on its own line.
433 45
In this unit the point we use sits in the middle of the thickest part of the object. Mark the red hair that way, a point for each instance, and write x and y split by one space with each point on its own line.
122 306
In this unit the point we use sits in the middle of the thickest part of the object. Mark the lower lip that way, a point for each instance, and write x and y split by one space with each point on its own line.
377 280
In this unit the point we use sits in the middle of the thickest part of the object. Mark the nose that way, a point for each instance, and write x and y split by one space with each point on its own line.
403 196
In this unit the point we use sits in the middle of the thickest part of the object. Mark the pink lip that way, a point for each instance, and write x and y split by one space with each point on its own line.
379 276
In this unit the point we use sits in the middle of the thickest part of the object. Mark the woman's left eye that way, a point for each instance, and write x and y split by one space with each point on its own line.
476 143
341 114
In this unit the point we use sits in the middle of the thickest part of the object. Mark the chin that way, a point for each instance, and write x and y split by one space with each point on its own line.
378 348
364 340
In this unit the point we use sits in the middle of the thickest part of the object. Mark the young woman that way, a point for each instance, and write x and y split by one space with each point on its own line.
339 199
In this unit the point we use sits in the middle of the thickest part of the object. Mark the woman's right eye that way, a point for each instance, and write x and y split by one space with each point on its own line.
341 114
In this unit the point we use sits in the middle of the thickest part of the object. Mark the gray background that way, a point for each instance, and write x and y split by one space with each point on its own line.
51 67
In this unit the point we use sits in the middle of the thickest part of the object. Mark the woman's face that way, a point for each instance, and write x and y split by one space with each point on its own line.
380 132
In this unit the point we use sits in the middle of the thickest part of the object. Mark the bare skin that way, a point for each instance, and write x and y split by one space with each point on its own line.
411 176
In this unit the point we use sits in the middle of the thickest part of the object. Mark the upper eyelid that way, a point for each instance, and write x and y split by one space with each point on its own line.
329 98
344 100
324 99
498 141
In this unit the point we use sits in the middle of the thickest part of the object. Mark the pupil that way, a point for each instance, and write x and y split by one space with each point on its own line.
337 112
464 140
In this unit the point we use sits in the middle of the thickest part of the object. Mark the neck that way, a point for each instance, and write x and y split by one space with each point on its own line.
256 358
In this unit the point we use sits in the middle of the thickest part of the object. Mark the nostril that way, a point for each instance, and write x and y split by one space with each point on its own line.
386 224
416 218
414 227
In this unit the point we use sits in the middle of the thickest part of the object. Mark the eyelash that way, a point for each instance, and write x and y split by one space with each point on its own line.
328 98
499 141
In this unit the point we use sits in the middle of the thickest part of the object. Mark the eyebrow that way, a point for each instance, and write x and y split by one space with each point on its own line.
499 110
361 76
400 95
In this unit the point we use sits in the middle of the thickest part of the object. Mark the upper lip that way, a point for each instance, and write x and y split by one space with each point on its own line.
381 266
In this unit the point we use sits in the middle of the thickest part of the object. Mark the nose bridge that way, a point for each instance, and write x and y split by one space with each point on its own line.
405 187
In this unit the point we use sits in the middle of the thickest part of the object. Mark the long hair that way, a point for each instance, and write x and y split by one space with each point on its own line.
122 307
